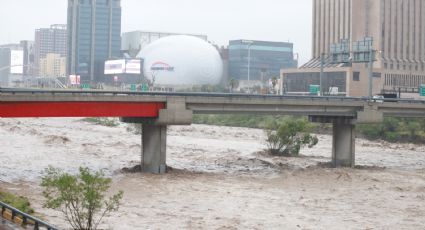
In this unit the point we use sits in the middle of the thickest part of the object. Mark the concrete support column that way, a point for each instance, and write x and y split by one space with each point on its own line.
154 145
154 133
343 145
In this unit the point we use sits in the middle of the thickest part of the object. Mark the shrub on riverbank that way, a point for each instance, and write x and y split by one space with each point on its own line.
19 202
392 129
104 121
288 137
395 130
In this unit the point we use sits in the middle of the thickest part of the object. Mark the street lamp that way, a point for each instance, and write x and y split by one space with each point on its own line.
322 63
324 60
371 60
249 44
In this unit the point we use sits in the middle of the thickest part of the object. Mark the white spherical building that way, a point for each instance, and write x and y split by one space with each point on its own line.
181 60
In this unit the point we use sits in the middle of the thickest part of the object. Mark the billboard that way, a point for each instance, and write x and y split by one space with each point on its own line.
17 61
74 79
115 66
133 66
129 66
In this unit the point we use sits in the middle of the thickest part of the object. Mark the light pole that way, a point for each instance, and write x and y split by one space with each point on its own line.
322 63
371 58
249 60
249 45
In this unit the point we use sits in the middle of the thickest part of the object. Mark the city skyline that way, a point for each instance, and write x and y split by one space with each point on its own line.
221 20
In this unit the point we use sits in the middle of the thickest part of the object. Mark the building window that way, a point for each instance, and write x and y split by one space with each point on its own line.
356 76
377 75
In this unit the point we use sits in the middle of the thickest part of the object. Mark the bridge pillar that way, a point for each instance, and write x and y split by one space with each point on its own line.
343 139
343 145
154 133
154 146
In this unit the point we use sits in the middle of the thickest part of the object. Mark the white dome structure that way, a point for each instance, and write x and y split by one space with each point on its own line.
181 60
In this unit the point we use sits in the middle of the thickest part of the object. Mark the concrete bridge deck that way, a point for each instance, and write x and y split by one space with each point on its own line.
209 103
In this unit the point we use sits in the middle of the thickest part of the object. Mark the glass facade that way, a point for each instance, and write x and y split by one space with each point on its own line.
94 36
265 59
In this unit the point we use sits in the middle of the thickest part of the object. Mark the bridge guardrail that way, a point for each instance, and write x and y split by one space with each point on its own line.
25 217
188 94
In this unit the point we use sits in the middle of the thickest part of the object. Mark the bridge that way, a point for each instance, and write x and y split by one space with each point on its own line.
156 110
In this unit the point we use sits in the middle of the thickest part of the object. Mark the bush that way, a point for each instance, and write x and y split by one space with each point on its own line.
392 136
395 130
104 121
392 129
19 202
80 198
248 121
289 137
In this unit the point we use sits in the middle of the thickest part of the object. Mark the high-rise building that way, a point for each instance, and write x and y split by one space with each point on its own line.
265 59
49 40
53 65
94 35
397 31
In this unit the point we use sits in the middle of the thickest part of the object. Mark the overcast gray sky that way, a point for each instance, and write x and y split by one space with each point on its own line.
221 20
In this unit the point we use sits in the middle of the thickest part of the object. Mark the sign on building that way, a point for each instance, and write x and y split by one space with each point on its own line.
74 79
133 66
422 90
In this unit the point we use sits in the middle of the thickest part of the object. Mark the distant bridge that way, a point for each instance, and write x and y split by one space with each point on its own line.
156 110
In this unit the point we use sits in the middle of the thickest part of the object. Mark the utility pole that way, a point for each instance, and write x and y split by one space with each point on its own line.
370 72
249 46
322 63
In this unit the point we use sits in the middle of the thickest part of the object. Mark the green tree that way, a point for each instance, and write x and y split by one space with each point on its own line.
274 83
81 197
289 137
233 84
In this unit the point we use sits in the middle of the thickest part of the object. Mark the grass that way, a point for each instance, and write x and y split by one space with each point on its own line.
19 202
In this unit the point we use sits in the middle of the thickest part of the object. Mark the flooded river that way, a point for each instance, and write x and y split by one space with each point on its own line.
220 178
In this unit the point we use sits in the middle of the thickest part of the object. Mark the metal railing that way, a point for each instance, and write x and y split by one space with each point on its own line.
25 217
197 94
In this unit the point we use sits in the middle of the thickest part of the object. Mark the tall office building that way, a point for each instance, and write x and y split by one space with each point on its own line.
49 40
397 28
94 35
